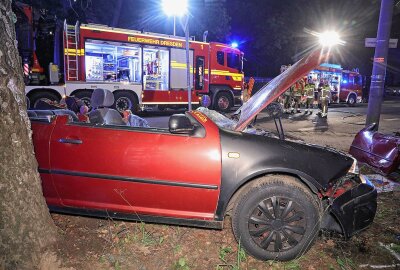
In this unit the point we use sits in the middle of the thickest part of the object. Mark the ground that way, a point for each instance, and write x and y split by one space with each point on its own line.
90 243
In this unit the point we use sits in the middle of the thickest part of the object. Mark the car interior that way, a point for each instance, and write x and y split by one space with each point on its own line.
103 116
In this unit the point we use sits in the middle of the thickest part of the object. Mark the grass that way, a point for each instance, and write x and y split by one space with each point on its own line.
395 248
223 252
240 257
345 263
182 264
292 265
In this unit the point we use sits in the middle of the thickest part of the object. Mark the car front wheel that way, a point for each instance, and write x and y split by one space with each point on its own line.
277 218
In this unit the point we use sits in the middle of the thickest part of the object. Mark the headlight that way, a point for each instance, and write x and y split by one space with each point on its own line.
354 167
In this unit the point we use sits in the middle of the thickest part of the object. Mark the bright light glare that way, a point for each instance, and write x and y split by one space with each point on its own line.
234 45
329 38
174 7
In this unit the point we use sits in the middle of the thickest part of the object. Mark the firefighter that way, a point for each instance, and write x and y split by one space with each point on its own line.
288 95
324 92
288 98
298 91
309 97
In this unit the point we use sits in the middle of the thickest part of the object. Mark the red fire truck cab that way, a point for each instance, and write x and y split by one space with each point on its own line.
140 68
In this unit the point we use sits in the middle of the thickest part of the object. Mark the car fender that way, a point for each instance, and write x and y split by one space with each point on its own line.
246 157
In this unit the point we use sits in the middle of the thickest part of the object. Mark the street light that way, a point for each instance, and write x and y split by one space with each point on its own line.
180 8
329 38
175 8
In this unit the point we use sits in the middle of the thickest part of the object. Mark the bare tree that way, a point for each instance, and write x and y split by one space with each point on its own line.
26 227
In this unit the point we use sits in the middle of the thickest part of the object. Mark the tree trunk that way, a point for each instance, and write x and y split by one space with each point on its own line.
26 227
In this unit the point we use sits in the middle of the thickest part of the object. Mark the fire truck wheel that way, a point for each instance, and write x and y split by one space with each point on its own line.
276 218
35 97
223 102
85 96
352 100
125 100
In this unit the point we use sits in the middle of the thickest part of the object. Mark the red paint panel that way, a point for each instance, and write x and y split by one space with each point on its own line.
139 155
173 96
127 197
40 137
377 150
49 190
41 142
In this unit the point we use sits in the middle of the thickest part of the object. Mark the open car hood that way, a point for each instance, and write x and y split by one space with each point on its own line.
277 86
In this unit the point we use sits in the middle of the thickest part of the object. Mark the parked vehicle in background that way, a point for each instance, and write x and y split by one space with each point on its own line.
379 151
392 90
140 68
346 86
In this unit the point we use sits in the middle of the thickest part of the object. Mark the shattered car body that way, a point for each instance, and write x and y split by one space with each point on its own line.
279 192
380 151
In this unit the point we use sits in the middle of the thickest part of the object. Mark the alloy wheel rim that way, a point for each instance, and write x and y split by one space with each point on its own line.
86 100
277 224
223 103
123 104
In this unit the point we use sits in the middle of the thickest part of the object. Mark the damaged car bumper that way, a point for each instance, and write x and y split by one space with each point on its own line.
355 209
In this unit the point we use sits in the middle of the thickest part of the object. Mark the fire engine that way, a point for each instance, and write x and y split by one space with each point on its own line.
346 85
140 68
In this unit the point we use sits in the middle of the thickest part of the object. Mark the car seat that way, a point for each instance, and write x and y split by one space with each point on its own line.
102 98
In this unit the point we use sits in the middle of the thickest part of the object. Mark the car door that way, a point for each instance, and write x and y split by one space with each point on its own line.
136 170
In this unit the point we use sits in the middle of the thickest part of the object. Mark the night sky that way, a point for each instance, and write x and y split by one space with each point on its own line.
269 32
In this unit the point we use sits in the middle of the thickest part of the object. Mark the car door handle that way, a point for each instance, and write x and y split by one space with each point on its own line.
71 141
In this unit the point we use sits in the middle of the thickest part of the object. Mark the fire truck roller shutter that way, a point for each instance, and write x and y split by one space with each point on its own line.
42 93
84 95
125 100
178 68
222 98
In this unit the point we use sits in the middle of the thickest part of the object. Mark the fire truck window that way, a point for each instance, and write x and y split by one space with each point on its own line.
112 62
220 58
155 68
357 80
345 78
233 60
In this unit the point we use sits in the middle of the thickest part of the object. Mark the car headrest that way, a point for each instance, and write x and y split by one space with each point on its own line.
101 98
180 124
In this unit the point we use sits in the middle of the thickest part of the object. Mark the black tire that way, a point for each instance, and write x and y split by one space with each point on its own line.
85 96
35 97
223 102
125 100
276 218
352 100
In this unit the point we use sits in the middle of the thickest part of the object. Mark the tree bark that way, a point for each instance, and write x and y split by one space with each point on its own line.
26 227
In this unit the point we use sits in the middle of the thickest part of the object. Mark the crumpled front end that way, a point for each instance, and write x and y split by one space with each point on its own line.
352 205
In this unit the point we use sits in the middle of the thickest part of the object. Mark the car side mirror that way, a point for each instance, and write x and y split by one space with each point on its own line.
180 124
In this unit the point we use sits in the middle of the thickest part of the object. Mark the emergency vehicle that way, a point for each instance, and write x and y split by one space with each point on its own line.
140 68
346 85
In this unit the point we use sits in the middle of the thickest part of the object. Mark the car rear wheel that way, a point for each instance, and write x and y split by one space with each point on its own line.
85 96
223 102
277 218
125 100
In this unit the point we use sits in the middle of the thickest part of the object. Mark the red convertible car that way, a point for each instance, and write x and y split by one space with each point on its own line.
279 193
